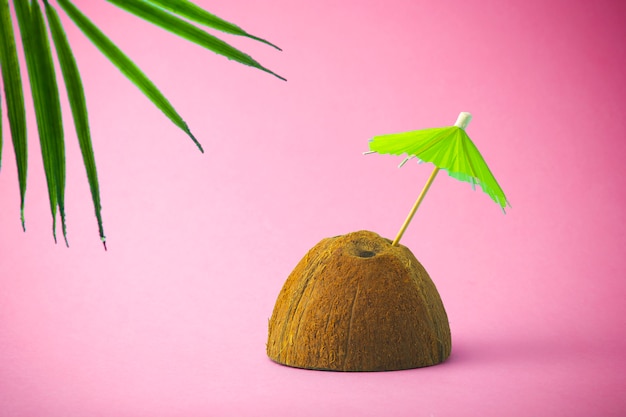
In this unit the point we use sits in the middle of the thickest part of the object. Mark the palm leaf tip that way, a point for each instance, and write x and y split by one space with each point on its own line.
264 41
193 138
193 12
280 77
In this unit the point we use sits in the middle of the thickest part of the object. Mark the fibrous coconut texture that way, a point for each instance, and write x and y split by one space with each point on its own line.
357 303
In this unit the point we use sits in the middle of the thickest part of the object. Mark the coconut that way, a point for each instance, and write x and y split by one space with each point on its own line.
357 303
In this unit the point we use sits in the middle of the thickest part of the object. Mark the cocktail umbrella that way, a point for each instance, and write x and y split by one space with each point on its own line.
448 148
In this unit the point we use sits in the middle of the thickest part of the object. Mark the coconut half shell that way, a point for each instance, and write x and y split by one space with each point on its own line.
357 303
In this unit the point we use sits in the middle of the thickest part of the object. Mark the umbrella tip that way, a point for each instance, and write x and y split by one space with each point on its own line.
463 120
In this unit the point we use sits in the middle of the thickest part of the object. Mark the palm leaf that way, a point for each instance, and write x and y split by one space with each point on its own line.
126 66
47 105
76 96
191 11
187 31
15 100
44 88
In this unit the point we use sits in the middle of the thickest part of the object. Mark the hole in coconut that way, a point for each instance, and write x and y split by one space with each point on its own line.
365 254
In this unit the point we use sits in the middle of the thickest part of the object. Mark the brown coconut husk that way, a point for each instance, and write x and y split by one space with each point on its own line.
357 303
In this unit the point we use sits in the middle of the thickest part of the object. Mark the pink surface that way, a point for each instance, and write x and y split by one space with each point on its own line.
172 320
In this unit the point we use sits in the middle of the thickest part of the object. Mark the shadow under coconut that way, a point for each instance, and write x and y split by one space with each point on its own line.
519 350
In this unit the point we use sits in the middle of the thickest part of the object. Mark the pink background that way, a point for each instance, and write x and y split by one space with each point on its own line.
172 320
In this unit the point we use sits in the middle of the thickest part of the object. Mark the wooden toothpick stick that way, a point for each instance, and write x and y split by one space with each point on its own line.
415 206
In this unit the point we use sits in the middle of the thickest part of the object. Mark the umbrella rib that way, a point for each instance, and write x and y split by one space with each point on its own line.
494 190
474 178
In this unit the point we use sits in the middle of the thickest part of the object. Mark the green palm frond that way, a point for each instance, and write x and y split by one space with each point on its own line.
126 66
188 10
14 95
187 31
78 104
47 106
43 37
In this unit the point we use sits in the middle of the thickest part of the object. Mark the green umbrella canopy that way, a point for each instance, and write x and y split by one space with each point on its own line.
448 148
